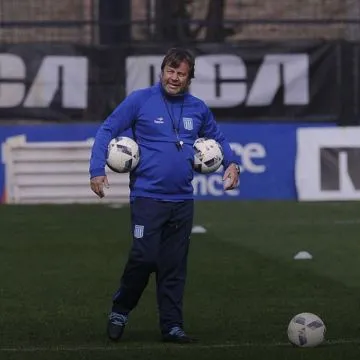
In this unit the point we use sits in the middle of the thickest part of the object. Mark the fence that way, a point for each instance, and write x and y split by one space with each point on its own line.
82 21
54 172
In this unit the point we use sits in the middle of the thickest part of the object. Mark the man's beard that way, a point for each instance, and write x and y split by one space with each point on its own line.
180 89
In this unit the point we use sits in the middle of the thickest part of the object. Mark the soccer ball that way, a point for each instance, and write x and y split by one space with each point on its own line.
306 330
208 155
123 154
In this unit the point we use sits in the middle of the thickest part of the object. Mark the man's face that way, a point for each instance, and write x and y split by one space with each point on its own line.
175 80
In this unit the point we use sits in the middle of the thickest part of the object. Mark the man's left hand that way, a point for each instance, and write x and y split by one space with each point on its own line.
231 177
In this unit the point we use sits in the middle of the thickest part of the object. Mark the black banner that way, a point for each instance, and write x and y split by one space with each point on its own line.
60 82
247 81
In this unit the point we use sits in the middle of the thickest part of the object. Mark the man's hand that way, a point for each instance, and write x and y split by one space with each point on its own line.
97 184
231 177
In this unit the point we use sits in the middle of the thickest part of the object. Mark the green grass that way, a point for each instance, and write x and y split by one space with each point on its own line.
61 264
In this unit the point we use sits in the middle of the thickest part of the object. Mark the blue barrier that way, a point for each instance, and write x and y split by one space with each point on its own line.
267 155
266 152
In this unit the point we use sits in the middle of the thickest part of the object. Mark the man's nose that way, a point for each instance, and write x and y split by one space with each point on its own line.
174 76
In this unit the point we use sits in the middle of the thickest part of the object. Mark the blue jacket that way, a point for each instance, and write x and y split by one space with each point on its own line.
164 171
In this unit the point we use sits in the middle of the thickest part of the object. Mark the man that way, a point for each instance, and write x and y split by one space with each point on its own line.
166 120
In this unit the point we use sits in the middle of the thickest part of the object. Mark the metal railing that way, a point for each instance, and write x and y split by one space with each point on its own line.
78 21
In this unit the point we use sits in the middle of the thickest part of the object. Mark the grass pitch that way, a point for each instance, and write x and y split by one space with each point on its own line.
59 266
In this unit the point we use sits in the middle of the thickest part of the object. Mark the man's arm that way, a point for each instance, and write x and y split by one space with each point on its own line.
118 121
210 129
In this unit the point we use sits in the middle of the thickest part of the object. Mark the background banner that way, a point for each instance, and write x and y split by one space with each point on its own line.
328 164
266 153
247 81
259 81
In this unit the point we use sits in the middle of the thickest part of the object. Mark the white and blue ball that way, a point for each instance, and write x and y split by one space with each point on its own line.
208 155
306 330
123 154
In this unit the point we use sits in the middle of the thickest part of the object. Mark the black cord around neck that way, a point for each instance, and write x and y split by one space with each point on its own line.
173 118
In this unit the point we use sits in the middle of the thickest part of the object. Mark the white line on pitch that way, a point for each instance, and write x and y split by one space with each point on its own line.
163 346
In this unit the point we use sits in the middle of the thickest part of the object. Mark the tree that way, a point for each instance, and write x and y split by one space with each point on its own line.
215 29
111 12
174 21
171 20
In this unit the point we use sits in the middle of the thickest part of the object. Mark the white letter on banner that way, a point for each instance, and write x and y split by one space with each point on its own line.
12 68
66 73
295 70
212 181
247 153
141 72
311 142
220 80
199 184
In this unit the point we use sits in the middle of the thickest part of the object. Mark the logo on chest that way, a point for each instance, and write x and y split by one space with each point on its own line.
159 120
188 123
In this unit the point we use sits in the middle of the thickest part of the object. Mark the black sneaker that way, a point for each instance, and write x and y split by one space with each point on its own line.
177 335
116 325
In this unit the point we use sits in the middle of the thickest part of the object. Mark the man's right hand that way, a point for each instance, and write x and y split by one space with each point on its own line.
97 184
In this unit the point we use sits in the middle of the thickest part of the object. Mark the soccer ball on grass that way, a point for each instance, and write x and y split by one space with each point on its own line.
208 155
306 330
123 154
